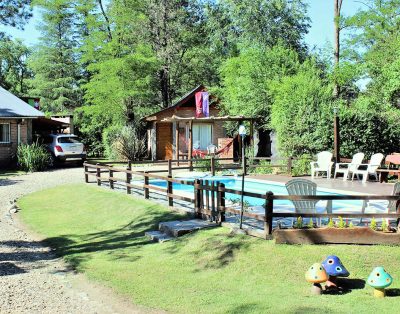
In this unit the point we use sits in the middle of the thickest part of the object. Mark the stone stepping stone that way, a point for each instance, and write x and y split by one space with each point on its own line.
180 227
158 236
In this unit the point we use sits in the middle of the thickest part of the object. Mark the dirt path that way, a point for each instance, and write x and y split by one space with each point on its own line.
32 278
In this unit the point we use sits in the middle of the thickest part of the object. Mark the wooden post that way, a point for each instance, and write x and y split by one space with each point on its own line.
213 213
190 152
128 179
252 136
170 167
85 169
98 174
110 180
129 164
289 166
146 183
221 197
197 198
269 209
169 191
336 138
177 141
207 195
212 166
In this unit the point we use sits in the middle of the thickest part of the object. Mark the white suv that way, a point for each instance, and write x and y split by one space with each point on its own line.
65 146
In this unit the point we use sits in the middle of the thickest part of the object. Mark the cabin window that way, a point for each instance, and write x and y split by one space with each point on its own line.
202 136
4 132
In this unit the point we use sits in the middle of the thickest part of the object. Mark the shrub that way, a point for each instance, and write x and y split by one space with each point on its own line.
341 224
351 225
205 162
299 223
33 157
310 224
331 224
301 165
384 225
124 143
373 224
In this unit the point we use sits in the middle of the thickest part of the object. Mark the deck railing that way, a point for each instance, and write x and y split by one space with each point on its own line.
209 197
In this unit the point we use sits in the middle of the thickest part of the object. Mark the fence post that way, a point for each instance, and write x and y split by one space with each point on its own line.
170 167
269 209
85 169
146 183
289 166
110 180
98 174
128 178
169 192
221 202
212 166
213 212
196 198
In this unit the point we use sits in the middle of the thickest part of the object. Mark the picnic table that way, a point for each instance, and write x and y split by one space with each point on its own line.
390 160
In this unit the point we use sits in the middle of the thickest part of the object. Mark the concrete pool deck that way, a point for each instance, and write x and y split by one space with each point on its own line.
347 187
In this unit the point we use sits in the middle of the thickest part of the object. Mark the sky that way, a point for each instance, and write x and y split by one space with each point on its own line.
320 12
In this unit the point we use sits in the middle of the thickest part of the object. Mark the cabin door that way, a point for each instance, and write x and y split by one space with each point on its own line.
164 141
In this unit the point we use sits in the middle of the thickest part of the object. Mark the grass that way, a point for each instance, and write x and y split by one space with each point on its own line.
100 233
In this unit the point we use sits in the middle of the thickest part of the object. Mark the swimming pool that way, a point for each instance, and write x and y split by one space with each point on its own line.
259 186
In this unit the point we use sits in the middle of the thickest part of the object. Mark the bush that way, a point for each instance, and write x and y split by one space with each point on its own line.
33 157
124 143
301 165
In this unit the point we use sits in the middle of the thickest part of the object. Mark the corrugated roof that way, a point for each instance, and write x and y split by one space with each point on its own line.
12 106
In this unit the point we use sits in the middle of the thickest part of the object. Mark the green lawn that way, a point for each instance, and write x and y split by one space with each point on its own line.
101 233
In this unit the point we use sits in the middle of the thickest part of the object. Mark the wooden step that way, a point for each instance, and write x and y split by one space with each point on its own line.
158 236
180 227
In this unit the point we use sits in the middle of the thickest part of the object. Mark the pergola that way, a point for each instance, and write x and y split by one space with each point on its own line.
190 120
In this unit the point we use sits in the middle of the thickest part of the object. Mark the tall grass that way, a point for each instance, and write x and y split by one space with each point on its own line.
33 157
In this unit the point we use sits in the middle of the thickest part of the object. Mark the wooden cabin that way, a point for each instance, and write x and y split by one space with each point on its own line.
177 132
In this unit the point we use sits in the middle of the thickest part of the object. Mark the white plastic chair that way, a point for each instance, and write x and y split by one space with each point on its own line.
211 149
346 167
303 187
374 163
324 163
392 205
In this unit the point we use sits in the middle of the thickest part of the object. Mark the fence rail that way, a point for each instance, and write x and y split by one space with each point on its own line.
209 197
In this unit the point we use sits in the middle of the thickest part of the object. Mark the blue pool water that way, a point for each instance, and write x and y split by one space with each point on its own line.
262 188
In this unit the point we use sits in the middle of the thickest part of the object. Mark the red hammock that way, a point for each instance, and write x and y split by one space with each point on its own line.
225 149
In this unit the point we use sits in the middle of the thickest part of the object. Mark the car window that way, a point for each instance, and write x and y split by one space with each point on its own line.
71 140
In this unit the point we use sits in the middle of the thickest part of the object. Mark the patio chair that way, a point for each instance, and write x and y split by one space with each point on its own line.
324 163
391 208
302 187
374 163
346 168
211 149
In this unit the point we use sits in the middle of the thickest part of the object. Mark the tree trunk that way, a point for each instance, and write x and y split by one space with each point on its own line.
337 8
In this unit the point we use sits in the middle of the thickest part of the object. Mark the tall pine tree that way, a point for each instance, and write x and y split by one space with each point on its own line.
54 60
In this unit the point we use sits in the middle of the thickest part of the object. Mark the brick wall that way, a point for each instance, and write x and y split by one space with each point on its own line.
9 150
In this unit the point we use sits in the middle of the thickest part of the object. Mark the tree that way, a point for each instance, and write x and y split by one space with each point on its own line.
337 8
246 80
54 60
375 43
14 71
301 113
15 13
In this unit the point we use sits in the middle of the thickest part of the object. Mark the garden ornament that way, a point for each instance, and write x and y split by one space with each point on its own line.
334 268
316 274
379 279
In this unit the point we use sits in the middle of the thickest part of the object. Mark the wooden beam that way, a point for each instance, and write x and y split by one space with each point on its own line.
177 141
190 152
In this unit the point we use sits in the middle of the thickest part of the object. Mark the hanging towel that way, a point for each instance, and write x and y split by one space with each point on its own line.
206 104
199 105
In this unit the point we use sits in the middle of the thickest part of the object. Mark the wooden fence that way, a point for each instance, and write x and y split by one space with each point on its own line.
209 197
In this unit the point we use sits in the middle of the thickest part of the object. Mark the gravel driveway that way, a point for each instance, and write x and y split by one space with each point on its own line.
32 278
